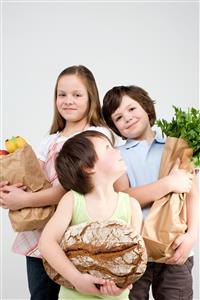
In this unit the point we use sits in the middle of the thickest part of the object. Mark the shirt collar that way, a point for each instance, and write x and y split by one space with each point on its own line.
158 138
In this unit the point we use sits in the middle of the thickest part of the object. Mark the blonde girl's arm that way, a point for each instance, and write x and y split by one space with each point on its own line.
50 196
15 198
137 217
52 252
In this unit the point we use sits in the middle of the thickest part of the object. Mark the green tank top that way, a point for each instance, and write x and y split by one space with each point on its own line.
122 212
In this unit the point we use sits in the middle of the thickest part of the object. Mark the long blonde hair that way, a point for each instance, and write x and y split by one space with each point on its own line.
94 117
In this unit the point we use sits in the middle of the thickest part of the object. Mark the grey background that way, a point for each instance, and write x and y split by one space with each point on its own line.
150 44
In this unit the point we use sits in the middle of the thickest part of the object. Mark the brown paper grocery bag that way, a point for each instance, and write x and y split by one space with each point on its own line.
167 218
23 166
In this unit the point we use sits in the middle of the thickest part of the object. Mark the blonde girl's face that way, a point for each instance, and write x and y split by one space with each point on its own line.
72 98
132 120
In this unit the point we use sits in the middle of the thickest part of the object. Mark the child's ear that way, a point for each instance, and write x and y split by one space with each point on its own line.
90 170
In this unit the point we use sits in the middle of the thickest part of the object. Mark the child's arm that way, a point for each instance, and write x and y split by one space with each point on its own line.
178 181
193 209
137 217
15 198
52 252
3 183
184 243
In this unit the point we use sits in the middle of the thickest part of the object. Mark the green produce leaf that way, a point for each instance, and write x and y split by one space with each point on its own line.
185 125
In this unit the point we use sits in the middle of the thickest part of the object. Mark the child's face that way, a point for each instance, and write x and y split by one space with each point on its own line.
72 98
110 162
131 120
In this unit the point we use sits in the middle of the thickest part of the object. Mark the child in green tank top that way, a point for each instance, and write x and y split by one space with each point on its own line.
87 167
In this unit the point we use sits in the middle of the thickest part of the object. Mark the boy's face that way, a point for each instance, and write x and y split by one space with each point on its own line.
109 163
132 120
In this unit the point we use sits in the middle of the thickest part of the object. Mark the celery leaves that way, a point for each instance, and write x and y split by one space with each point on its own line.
185 125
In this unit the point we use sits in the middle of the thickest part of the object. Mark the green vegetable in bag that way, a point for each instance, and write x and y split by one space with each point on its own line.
185 125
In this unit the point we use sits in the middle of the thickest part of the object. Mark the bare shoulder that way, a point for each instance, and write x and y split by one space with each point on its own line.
122 183
137 218
135 203
68 196
64 211
66 201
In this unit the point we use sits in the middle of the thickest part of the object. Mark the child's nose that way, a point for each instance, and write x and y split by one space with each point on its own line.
68 99
127 117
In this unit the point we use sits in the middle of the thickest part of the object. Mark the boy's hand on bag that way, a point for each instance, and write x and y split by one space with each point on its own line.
13 197
180 179
182 246
110 289
2 184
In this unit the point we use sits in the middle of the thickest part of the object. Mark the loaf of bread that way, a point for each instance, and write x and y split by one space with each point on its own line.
109 250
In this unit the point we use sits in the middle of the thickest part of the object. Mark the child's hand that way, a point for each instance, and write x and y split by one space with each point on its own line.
5 183
180 180
110 289
2 184
87 284
182 246
13 196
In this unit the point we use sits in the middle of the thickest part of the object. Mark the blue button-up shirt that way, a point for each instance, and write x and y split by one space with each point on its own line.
143 161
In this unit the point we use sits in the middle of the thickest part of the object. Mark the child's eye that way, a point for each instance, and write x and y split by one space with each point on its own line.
131 108
118 118
77 95
61 95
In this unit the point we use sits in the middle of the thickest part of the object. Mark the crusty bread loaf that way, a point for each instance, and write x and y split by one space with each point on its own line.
109 250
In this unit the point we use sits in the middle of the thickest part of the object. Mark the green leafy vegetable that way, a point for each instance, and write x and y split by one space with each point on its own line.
185 125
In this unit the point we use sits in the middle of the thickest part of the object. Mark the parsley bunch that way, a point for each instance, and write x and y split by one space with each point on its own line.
185 125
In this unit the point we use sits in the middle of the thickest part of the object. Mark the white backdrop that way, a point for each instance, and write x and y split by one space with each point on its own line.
150 44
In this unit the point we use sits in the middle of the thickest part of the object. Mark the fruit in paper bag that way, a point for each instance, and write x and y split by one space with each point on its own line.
20 141
11 145
3 152
14 143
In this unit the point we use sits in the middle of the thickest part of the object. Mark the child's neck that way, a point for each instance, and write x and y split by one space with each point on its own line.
148 136
101 203
74 127
102 193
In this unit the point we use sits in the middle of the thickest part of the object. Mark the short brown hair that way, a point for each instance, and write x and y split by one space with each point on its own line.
113 99
76 156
